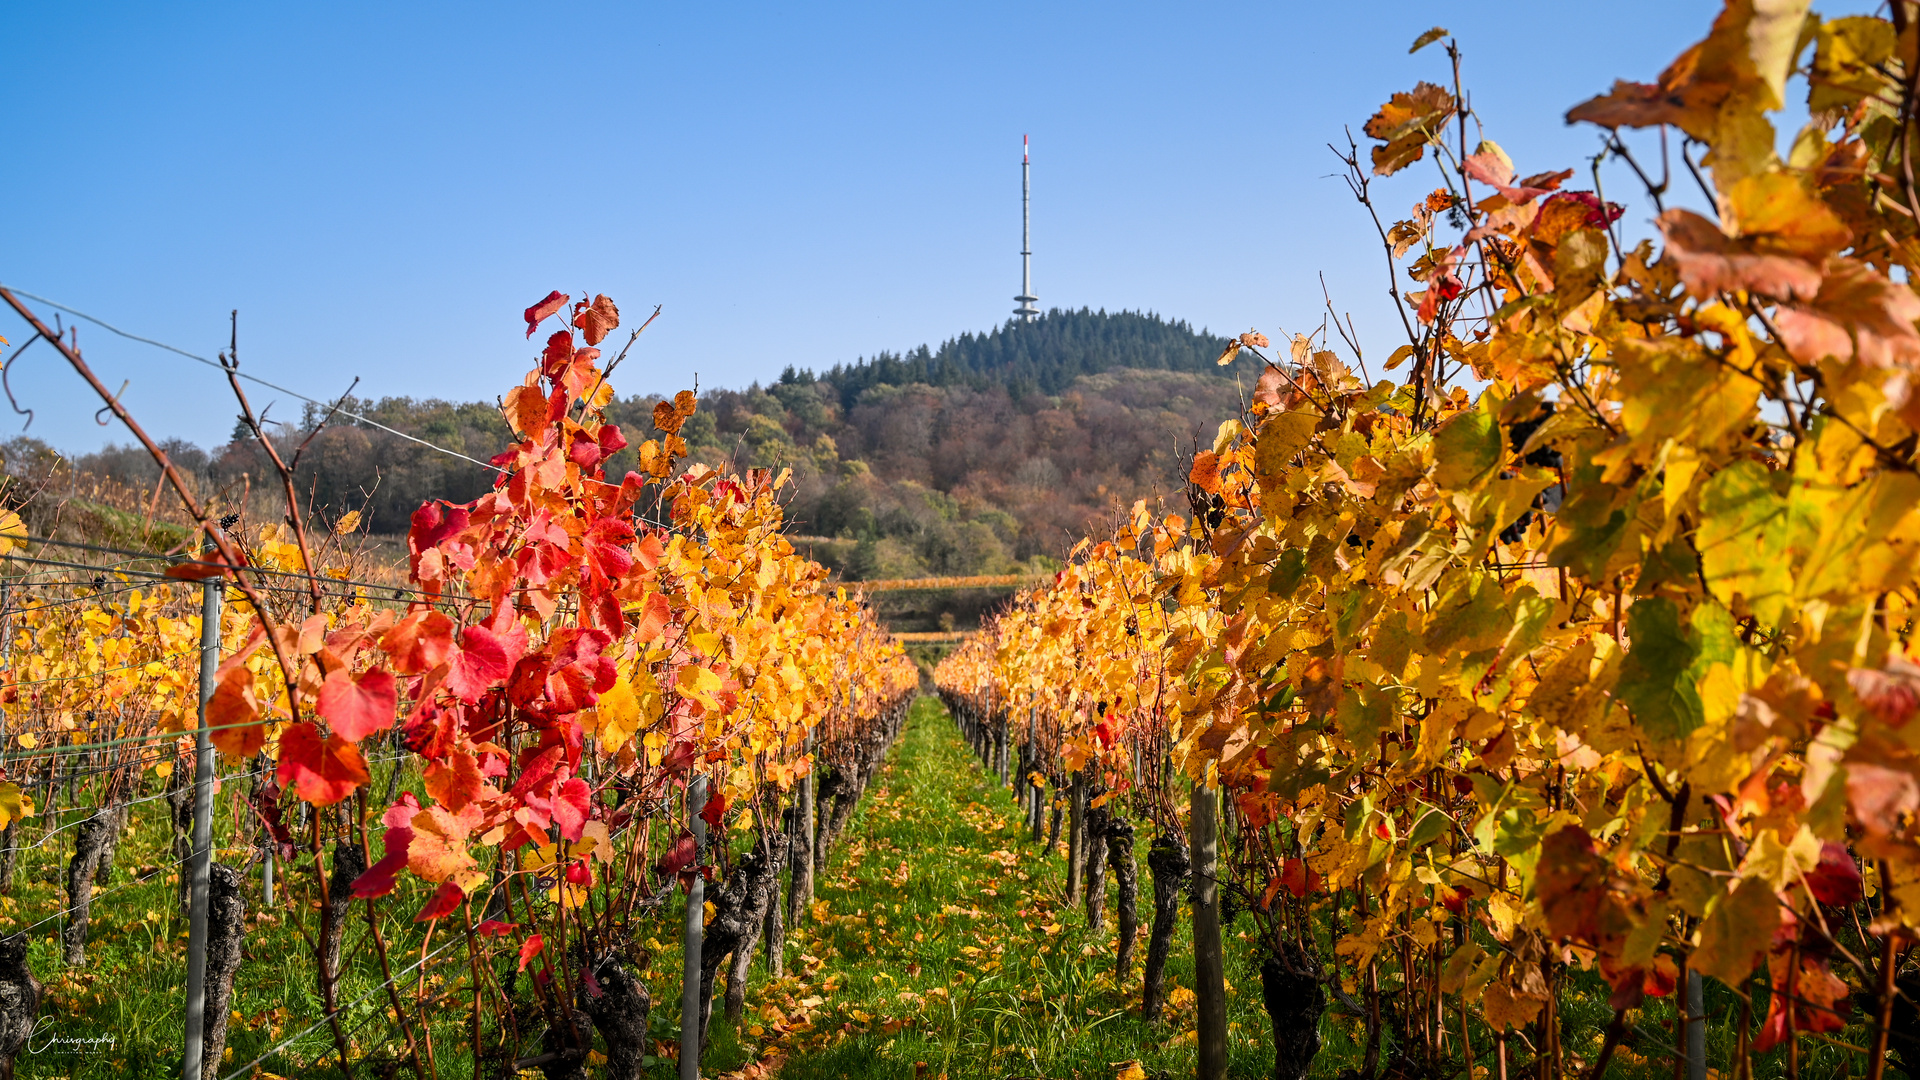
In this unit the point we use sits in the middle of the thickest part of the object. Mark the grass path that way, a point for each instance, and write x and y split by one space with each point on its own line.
939 936
940 943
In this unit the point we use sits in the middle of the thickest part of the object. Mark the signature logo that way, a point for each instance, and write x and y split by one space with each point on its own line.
44 1040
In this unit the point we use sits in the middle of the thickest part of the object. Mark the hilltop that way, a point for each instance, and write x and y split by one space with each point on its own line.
1044 356
980 456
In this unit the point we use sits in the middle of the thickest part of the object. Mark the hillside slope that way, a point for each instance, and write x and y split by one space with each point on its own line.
976 457
1044 356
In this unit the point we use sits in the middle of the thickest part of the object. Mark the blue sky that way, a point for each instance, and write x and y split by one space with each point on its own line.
380 189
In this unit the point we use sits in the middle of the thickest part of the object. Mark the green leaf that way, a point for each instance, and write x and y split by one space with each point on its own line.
1587 549
1353 609
1361 714
1467 446
1532 614
1672 562
1654 679
1715 637
1432 826
1393 643
1470 615
1357 814
1695 890
1517 831
1289 783
1593 523
1737 932
1282 435
1289 570
1427 39
1742 529
1453 977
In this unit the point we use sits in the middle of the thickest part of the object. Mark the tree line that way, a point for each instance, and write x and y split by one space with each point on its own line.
983 456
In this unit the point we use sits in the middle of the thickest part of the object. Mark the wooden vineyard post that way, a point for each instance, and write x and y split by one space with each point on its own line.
696 930
1210 975
199 866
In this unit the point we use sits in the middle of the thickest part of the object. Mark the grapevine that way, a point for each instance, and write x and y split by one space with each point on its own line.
570 652
1570 664
1586 650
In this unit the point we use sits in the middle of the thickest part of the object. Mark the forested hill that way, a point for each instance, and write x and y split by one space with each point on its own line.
1043 356
979 457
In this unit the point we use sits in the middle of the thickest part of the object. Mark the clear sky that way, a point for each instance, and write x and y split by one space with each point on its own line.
380 189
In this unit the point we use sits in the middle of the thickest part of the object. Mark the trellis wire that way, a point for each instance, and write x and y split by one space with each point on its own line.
109 327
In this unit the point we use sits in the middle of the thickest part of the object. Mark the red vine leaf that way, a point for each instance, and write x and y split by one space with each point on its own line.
444 903
678 857
419 642
209 564
530 949
596 320
380 878
321 771
356 706
1835 881
479 664
1205 473
571 804
233 712
536 314
653 618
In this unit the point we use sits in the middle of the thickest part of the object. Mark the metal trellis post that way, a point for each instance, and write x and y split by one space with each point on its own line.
696 928
1208 961
200 864
1696 1027
807 816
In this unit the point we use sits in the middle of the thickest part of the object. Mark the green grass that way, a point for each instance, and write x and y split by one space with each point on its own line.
132 988
945 939
936 862
932 946
124 528
941 936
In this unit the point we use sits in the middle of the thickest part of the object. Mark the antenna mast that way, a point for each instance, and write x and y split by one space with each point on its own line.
1026 310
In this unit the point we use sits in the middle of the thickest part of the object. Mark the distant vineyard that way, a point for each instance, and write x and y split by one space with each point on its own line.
989 581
